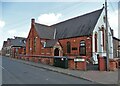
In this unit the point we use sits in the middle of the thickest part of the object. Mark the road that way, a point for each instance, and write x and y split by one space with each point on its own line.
14 72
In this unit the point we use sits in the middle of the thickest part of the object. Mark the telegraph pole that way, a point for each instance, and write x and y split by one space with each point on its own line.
107 48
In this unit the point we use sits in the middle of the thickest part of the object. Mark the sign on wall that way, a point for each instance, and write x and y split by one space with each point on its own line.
79 60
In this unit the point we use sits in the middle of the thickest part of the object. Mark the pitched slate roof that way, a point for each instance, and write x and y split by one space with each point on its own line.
78 26
18 42
44 31
50 43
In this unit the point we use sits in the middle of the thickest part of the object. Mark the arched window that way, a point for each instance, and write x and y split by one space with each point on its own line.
82 48
34 44
95 42
68 47
103 35
29 45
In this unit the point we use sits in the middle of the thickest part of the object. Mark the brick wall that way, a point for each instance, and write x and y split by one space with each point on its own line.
115 47
15 51
40 50
75 43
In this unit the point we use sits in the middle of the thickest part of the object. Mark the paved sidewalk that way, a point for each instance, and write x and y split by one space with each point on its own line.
102 77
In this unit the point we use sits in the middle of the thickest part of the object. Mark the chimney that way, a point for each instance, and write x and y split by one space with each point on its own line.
32 22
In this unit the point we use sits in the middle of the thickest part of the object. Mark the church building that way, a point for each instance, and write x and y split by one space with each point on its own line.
80 36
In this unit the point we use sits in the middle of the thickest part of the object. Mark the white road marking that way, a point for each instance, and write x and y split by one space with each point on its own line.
2 67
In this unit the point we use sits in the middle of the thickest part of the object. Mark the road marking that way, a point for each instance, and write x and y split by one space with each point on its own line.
2 67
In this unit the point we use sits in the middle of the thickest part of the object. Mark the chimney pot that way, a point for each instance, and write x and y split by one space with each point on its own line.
32 20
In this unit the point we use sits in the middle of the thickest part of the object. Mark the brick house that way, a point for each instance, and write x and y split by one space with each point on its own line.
80 36
13 47
116 50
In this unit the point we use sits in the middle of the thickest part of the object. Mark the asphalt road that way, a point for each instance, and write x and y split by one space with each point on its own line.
14 72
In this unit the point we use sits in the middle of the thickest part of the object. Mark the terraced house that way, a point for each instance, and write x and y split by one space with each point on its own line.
116 50
80 36
14 47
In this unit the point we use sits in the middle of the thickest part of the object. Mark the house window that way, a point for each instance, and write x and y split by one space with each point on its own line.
82 48
95 42
34 44
68 47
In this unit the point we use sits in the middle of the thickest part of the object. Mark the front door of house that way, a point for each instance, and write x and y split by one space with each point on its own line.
56 52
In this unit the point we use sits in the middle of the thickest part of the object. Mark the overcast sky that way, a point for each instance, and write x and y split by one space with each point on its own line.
16 17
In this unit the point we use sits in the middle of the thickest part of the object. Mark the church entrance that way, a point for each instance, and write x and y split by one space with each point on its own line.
56 52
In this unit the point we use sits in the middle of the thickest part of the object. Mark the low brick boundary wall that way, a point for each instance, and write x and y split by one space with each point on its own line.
71 64
77 65
42 59
114 64
49 60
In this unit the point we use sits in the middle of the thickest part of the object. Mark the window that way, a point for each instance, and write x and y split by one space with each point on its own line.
16 50
68 47
29 44
82 48
34 44
103 35
24 41
44 45
95 42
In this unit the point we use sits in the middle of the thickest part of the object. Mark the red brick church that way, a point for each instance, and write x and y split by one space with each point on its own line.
80 36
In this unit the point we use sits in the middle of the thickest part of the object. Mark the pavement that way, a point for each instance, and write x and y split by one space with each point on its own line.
100 77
